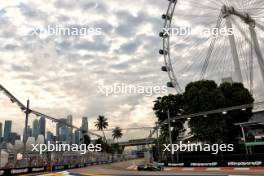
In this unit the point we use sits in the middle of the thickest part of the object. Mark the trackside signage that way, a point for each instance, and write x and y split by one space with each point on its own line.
216 164
22 170
256 163
28 170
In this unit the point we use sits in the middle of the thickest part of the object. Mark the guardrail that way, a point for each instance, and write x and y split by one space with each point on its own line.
27 170
62 161
245 163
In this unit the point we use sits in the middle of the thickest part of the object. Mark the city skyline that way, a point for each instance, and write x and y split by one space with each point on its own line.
38 127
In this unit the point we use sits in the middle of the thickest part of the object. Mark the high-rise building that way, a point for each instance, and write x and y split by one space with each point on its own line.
7 130
84 127
42 126
69 119
64 133
76 139
35 128
84 124
29 133
50 136
70 136
14 137
59 125
1 135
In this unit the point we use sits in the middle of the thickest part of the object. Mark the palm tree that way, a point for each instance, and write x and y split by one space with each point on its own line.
117 133
101 124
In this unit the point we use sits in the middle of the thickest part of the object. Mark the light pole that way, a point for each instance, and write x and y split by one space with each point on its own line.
158 145
170 138
26 123
26 128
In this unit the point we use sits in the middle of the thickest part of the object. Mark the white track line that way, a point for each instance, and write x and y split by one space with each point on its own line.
213 169
238 168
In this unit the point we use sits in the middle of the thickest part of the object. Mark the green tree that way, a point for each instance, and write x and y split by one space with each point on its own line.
175 105
117 133
104 145
101 124
109 148
236 94
116 148
204 96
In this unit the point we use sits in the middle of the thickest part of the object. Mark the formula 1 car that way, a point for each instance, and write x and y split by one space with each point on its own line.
150 167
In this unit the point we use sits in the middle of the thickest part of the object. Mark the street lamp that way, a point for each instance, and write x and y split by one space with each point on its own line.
26 128
170 138
158 145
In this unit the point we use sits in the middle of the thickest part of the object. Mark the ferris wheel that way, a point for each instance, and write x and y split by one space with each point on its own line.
219 40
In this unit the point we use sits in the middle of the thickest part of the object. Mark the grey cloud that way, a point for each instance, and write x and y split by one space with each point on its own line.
98 45
11 47
129 23
20 68
80 4
2 11
31 12
129 48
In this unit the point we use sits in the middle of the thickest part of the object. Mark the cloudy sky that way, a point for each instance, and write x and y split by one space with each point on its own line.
61 74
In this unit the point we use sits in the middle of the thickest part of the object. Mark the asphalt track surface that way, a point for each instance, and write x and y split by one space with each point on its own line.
124 169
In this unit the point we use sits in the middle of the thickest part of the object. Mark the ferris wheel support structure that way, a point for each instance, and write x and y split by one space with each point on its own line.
232 42
227 11
257 49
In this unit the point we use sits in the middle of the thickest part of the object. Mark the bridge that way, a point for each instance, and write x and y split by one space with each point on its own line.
136 142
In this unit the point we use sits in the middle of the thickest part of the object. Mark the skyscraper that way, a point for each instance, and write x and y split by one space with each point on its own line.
35 128
69 119
76 139
84 124
58 128
84 127
64 134
29 133
7 130
14 137
69 133
42 126
50 136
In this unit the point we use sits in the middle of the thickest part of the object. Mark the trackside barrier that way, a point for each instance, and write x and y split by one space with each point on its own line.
28 170
216 164
22 170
